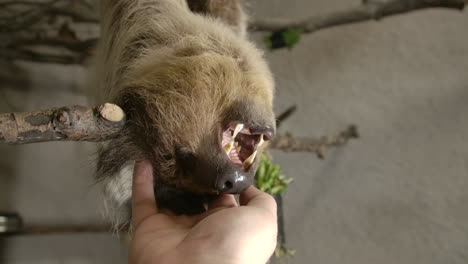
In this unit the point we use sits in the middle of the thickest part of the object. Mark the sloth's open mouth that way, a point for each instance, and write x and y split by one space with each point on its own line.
241 143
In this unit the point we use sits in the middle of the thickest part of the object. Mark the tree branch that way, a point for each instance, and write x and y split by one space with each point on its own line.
369 10
24 21
285 115
290 143
76 15
25 18
64 229
74 45
76 123
29 55
19 3
101 123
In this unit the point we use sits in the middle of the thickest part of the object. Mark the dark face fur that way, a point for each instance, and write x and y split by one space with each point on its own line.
201 119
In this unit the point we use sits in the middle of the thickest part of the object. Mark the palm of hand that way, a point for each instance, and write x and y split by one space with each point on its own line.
226 233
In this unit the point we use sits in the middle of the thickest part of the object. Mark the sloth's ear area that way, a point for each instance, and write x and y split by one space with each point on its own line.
186 160
136 103
141 111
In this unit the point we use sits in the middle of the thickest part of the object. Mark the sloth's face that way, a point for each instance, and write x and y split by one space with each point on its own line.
226 159
203 121
242 143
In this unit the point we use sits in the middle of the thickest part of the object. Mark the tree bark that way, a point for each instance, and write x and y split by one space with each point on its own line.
290 143
75 123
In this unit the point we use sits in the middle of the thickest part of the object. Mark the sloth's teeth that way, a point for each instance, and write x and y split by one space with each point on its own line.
237 130
228 147
260 143
250 159
238 148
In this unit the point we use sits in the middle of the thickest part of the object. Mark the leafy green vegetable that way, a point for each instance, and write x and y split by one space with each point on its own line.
283 38
269 177
292 37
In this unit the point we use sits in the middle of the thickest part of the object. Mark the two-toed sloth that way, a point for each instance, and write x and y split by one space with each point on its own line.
198 98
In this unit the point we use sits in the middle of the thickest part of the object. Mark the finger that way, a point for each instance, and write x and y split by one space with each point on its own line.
256 198
224 200
143 202
166 212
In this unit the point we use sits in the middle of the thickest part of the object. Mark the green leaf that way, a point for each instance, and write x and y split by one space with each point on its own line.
292 36
269 177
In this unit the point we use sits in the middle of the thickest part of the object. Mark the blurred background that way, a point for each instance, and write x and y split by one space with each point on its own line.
398 194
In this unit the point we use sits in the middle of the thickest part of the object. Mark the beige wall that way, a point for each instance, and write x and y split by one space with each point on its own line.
400 193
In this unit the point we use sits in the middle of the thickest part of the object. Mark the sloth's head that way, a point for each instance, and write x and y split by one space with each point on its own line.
202 118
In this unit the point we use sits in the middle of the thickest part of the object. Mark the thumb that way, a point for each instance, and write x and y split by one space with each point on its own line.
143 201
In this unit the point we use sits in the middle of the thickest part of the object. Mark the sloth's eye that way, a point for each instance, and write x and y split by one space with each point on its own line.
186 159
241 143
168 156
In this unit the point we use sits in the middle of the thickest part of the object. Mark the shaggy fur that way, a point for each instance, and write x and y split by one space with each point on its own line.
179 76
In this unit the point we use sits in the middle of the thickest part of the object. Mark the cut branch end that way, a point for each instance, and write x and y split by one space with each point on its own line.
112 112
74 123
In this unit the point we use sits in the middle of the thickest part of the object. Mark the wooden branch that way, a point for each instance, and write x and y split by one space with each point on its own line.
290 143
76 123
285 115
369 10
74 45
22 22
25 18
34 56
75 15
19 2
64 229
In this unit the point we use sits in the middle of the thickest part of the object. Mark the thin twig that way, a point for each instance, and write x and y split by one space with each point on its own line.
26 18
290 143
74 14
369 10
21 3
285 115
38 10
70 44
64 229
29 55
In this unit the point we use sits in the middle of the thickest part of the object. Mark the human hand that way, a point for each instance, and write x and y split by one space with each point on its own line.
225 234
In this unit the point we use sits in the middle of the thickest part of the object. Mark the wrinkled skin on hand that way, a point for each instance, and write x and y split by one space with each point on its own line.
225 233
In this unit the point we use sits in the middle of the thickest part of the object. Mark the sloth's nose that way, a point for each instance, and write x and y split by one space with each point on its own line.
232 182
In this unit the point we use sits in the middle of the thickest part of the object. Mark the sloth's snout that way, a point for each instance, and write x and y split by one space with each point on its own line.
226 163
232 181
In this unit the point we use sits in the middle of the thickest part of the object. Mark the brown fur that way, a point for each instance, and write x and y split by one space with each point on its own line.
179 77
228 11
